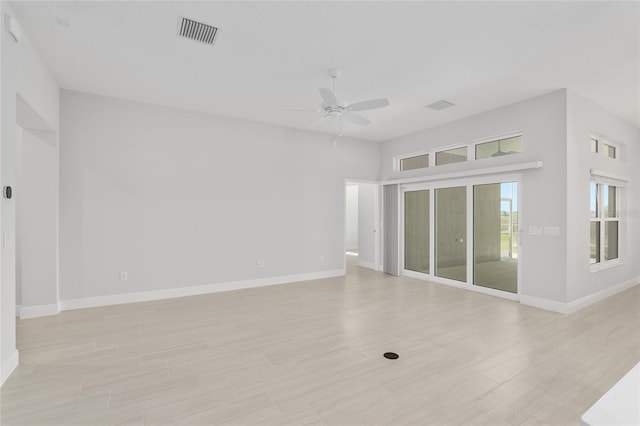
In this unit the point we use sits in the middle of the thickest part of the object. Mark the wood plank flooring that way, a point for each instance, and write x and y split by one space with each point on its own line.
311 354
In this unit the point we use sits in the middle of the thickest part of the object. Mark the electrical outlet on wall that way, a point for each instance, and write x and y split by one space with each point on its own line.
321 259
260 264
124 276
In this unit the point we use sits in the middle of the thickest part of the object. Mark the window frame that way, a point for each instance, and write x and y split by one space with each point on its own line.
603 141
602 220
474 145
398 161
450 148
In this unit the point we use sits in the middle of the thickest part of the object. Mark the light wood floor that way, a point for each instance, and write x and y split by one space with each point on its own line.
311 354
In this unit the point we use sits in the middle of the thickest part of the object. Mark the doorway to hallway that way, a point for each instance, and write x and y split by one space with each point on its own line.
362 243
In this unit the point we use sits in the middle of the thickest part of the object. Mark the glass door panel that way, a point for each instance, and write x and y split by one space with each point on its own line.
495 245
451 233
416 231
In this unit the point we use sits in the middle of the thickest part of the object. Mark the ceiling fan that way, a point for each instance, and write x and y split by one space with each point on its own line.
330 107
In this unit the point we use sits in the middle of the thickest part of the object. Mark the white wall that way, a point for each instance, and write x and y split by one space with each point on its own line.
366 224
37 220
351 225
177 198
542 121
24 74
586 119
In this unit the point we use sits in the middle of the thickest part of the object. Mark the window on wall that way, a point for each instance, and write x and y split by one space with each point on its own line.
605 223
602 147
449 156
499 147
414 162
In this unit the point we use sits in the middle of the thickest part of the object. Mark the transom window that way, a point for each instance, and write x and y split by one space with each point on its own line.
601 147
499 147
414 162
449 156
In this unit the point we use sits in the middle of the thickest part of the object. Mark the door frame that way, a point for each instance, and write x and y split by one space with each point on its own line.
469 184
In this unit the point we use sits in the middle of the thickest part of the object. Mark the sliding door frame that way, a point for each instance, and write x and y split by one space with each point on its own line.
469 184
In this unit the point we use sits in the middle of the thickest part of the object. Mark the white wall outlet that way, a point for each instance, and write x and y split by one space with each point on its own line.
260 264
535 230
124 276
552 231
321 259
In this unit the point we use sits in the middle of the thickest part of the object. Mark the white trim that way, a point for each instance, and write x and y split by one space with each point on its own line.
7 368
459 284
605 264
145 296
18 307
585 301
467 173
546 304
39 311
370 265
595 174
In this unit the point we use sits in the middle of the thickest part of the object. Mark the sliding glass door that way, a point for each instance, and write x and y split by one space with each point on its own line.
451 233
495 242
416 231
464 233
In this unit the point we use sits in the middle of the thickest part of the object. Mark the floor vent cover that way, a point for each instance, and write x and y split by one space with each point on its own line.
391 355
198 31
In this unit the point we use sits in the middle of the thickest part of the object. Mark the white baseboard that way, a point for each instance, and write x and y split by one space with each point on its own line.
546 304
369 265
583 302
39 311
145 296
7 367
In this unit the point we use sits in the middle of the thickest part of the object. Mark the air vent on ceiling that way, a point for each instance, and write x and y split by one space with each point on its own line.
198 31
440 105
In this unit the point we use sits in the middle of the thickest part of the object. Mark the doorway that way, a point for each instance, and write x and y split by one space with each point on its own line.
362 242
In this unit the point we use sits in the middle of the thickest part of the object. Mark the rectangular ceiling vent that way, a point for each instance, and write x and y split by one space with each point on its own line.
198 31
440 105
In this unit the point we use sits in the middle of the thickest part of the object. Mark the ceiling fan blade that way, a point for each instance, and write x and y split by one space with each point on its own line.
303 110
328 97
356 119
371 104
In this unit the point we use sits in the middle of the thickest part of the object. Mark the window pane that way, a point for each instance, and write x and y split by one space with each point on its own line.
449 156
609 151
451 233
416 231
595 242
593 200
499 148
609 199
417 162
611 240
495 224
594 145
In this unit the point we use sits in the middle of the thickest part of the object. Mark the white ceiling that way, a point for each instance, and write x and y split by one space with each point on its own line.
271 56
